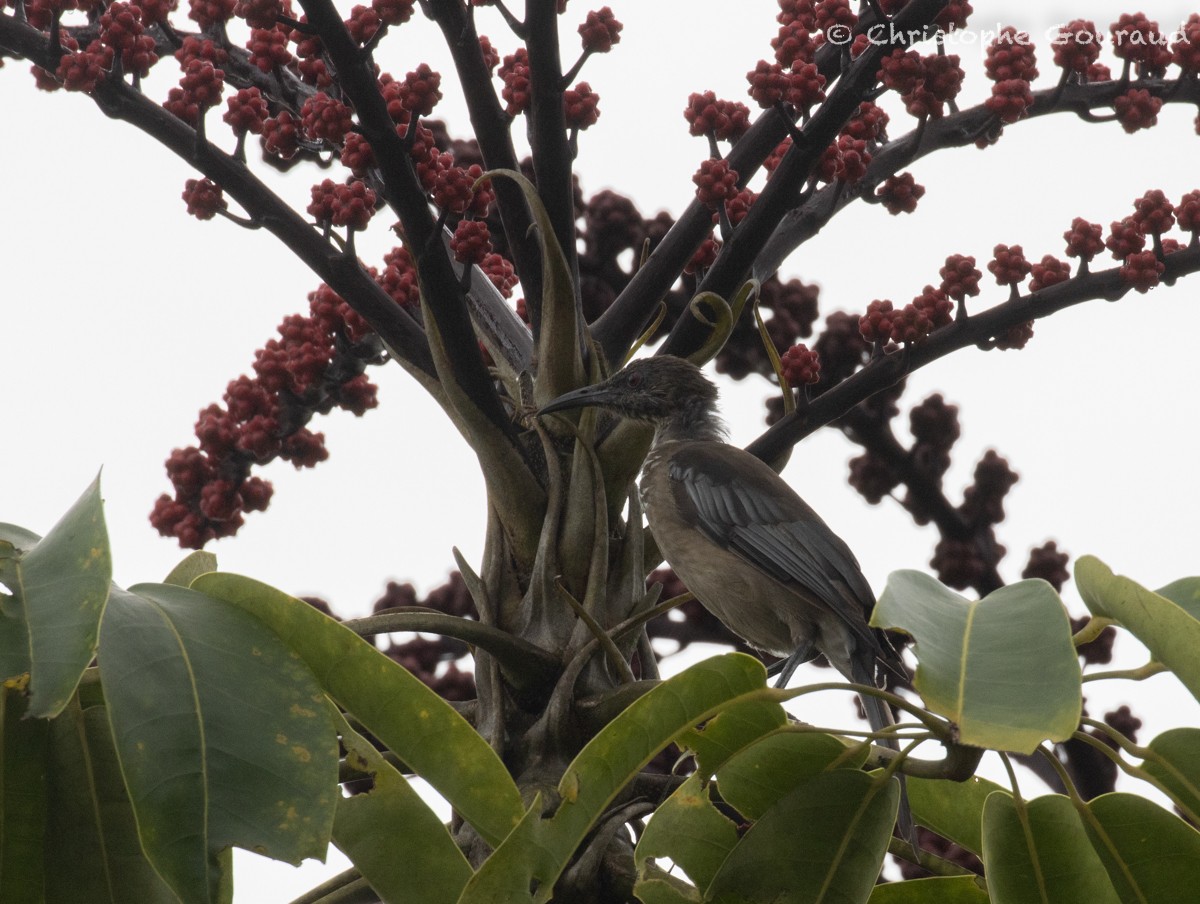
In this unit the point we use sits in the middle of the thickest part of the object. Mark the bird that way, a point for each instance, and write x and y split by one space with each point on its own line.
741 539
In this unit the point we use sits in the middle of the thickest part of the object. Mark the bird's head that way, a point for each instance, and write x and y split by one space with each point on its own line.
662 390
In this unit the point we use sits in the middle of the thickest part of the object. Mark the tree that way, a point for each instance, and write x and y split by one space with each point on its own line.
564 563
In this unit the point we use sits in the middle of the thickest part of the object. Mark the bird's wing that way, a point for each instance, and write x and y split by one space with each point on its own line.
744 506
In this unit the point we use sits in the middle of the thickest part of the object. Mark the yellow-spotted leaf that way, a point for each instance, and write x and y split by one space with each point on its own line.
223 735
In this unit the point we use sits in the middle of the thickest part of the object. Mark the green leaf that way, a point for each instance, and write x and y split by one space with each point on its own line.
391 836
197 563
49 625
1038 851
823 842
223 735
691 831
662 890
758 775
540 848
1003 669
953 809
939 890
1174 759
23 751
1151 855
92 838
1169 631
410 719
559 355
732 729
1184 593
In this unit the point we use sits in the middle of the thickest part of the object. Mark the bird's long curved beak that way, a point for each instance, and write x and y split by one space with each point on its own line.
585 396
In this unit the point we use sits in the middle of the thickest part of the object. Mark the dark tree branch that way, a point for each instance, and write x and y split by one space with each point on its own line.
407 197
634 307
886 370
493 131
953 131
782 190
877 437
120 101
548 126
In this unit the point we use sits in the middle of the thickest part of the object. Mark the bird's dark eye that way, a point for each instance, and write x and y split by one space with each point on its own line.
634 380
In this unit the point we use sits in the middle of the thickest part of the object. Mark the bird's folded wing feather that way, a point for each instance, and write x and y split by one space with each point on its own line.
744 506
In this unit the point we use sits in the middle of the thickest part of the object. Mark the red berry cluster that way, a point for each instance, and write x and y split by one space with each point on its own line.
1049 271
715 182
959 277
724 120
472 241
247 111
82 71
1084 240
261 13
1047 563
269 48
514 72
281 135
1138 41
199 89
1137 109
121 29
399 278
600 31
801 365
925 83
207 13
325 118
1011 56
1077 46
1009 266
581 106
316 364
800 88
794 44
363 24
203 198
900 194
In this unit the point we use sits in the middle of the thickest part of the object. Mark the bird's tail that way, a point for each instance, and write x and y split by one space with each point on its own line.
879 716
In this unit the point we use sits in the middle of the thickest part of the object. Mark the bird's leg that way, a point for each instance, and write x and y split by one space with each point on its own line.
801 654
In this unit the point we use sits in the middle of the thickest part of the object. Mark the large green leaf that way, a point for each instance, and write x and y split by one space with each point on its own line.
662 890
540 848
724 735
409 718
1174 759
49 623
938 890
1003 669
392 836
952 809
92 852
223 735
23 750
1152 856
1170 632
691 831
1038 851
1184 593
757 776
824 842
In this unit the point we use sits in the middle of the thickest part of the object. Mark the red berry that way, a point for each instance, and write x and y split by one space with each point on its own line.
204 198
899 194
600 31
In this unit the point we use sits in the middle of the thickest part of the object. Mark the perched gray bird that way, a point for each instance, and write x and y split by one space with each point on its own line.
741 539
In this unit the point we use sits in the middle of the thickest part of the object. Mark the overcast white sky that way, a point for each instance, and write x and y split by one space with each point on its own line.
122 317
